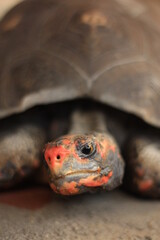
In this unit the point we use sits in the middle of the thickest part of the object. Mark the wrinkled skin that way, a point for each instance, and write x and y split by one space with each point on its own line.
142 175
81 163
20 156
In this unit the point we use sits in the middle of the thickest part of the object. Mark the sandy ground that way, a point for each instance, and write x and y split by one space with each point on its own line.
102 216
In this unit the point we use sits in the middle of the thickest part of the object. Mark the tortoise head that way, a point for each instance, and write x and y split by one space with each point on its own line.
81 163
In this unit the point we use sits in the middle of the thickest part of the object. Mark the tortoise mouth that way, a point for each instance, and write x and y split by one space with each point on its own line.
84 173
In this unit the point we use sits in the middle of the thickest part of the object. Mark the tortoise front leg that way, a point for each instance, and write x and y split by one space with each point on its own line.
142 175
21 144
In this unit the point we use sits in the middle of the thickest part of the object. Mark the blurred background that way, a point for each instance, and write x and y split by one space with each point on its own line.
6 5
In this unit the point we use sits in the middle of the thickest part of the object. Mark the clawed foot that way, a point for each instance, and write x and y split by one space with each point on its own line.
20 152
142 174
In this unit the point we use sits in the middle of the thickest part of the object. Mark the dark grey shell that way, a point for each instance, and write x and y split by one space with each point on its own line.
53 50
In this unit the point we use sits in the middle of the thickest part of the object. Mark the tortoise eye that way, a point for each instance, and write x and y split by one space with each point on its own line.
87 150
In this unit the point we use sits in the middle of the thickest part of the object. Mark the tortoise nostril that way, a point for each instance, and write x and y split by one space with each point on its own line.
58 156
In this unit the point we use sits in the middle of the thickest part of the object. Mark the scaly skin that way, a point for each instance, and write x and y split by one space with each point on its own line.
75 169
142 175
20 153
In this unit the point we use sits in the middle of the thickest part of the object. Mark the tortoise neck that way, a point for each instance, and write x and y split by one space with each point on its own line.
87 121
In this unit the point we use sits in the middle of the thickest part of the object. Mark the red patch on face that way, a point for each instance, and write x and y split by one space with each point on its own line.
66 141
100 150
112 148
56 155
91 182
69 188
106 146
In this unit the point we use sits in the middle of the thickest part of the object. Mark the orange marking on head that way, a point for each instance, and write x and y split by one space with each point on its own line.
55 157
69 188
99 149
145 185
112 148
106 147
66 141
90 182
103 150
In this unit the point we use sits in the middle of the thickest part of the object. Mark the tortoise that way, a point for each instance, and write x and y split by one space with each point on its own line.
83 76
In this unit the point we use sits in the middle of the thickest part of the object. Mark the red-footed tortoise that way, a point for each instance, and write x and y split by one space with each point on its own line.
53 51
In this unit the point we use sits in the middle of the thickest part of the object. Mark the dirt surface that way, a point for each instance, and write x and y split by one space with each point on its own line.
101 216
